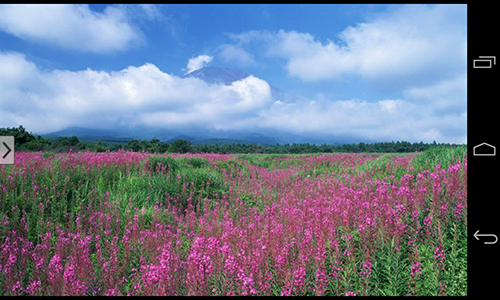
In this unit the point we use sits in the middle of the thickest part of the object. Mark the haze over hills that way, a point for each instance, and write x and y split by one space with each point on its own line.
126 135
271 137
196 135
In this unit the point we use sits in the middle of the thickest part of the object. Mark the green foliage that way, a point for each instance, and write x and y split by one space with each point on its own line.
21 136
442 155
197 162
455 246
169 164
180 146
154 145
66 141
38 144
137 145
295 148
177 178
390 269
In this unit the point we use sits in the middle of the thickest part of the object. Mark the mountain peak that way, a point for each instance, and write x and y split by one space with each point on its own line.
218 75
227 76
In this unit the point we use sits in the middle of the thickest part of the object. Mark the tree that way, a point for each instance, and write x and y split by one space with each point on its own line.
180 146
155 145
137 145
38 144
21 136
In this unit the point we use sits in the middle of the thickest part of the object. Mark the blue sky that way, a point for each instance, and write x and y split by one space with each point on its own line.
379 72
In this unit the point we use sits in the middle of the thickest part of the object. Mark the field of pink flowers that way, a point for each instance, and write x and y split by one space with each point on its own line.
126 223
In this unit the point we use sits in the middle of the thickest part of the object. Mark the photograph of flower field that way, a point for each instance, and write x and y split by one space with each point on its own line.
136 223
190 149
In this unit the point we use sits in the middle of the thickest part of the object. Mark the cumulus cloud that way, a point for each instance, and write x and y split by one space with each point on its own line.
198 62
413 43
74 26
53 100
46 101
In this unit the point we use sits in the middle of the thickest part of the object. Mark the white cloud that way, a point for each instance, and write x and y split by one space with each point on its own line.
52 100
408 45
47 101
389 106
198 62
383 120
71 26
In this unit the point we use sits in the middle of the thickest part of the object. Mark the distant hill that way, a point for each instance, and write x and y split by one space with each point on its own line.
88 134
258 138
199 136
117 136
182 137
220 142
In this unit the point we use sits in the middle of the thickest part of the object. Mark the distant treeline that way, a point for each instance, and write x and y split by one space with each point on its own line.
28 142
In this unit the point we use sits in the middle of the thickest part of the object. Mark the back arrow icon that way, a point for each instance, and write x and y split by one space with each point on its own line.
8 150
476 235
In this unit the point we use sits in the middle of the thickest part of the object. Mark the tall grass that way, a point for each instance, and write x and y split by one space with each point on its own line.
441 155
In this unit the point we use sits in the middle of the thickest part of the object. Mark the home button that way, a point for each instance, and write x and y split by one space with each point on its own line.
484 149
